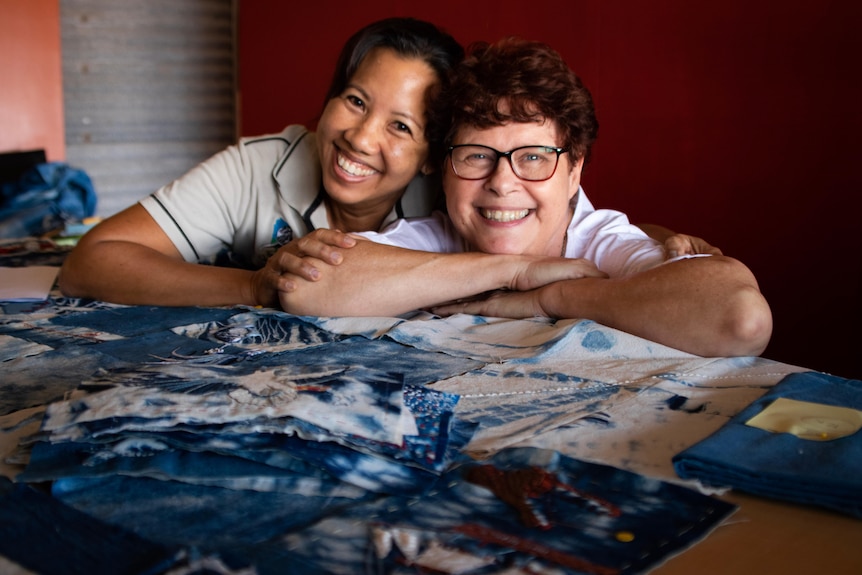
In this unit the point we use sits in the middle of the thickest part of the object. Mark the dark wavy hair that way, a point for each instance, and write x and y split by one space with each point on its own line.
533 81
409 38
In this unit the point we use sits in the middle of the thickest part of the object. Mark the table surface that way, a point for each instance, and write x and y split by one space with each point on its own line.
763 536
774 538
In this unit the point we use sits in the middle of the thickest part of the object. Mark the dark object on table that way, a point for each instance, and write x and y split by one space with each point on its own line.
13 165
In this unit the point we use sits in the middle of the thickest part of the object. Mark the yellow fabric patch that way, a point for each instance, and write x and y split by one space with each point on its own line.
806 420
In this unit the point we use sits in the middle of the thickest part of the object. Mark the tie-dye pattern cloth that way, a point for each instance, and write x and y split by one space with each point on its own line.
238 440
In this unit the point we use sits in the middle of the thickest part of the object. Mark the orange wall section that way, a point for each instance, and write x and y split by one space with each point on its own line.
31 100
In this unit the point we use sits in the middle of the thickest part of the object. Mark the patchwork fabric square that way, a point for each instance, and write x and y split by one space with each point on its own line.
524 510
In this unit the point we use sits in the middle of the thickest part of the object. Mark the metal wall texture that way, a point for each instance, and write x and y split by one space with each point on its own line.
149 90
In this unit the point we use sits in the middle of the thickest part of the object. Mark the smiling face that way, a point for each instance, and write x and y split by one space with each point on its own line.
503 214
371 138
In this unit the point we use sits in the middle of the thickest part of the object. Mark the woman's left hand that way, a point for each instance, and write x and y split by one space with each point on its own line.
686 245
675 244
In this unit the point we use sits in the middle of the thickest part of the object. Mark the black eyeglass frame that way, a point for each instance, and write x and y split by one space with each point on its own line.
508 156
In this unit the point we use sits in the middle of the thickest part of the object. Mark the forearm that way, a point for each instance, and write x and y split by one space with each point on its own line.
376 279
129 273
706 306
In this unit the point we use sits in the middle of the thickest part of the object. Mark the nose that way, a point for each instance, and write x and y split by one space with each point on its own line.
363 136
502 180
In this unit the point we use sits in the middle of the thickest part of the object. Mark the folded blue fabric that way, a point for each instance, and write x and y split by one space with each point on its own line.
782 465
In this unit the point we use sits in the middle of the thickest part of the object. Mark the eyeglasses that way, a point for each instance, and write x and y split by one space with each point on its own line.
532 163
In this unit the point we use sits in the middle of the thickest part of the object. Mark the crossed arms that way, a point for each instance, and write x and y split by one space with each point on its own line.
709 306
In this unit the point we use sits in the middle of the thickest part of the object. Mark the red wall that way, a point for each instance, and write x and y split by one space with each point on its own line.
737 121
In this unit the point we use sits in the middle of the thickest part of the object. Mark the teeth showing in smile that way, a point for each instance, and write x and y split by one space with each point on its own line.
353 168
505 216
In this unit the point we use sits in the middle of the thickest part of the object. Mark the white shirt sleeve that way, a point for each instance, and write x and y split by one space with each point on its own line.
608 239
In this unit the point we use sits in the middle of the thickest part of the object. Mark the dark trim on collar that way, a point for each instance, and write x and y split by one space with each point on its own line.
306 217
291 148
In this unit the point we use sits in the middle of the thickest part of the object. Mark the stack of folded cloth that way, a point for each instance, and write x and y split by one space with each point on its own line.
299 469
347 425
176 462
800 442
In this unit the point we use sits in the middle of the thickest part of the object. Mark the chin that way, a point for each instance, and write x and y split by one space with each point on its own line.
498 248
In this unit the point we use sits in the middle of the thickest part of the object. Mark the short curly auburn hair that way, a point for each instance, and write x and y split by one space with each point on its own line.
533 81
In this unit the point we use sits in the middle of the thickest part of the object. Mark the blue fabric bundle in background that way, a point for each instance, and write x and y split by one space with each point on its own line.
782 465
44 199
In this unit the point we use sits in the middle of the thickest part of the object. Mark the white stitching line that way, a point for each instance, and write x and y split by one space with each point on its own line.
736 376
537 391
659 377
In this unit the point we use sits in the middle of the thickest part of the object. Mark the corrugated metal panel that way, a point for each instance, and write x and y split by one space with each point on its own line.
149 90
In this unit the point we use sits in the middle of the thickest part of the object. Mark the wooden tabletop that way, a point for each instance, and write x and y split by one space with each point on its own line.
766 537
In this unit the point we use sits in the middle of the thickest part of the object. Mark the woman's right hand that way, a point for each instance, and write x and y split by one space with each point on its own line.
540 271
297 257
296 260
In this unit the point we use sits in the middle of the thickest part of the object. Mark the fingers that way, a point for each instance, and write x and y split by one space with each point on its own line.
712 250
684 245
589 270
311 247
300 256
549 270
286 263
286 283
264 287
677 245
323 244
579 268
452 309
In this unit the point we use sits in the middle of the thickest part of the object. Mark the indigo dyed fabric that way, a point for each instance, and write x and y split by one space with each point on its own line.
782 465
283 454
45 536
524 509
44 199
211 519
243 440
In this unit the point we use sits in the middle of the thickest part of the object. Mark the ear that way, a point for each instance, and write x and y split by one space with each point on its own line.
427 169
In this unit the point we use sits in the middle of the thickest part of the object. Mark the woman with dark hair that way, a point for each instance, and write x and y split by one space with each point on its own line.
363 168
521 128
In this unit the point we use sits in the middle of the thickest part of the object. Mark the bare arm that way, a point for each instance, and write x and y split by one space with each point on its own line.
374 279
129 259
709 306
706 306
297 257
